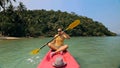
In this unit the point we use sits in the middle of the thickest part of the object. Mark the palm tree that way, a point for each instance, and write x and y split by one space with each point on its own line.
21 7
3 3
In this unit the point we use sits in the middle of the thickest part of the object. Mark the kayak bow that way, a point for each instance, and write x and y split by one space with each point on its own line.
68 58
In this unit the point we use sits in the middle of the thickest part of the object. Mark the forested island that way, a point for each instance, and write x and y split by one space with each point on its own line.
20 22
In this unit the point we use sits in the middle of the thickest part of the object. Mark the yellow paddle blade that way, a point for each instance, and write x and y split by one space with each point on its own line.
74 24
35 51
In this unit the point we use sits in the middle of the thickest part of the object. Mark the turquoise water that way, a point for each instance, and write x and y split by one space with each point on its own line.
89 52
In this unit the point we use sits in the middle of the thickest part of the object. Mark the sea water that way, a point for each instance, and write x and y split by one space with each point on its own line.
89 52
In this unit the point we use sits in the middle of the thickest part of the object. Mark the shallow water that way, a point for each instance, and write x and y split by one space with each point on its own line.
89 52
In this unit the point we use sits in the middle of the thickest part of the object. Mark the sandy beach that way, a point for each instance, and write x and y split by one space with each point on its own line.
9 38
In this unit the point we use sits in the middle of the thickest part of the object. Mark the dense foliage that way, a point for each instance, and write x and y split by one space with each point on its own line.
20 22
4 3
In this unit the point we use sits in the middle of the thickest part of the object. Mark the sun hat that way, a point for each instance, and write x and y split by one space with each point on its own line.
59 62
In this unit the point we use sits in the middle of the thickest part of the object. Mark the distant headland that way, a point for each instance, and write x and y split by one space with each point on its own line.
21 22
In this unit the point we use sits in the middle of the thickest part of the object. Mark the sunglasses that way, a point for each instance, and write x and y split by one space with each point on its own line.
59 31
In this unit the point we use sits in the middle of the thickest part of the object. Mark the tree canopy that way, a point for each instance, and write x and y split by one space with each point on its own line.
20 22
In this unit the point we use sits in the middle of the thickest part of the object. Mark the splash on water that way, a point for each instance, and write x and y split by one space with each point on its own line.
33 59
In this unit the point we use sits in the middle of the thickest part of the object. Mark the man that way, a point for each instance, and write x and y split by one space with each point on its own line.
58 43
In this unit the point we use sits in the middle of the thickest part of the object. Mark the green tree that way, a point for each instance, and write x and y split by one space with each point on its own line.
4 3
18 21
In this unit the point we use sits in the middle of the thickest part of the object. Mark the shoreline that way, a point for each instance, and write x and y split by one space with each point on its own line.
16 38
9 38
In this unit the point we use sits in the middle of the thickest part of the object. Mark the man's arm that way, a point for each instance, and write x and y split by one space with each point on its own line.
66 35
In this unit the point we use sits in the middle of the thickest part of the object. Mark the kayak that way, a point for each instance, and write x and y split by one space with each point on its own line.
67 57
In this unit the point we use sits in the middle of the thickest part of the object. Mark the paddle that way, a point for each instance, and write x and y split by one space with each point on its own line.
71 26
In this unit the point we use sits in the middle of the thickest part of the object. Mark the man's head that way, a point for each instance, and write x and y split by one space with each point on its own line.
59 30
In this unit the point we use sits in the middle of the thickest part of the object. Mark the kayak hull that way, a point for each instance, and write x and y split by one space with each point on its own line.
67 57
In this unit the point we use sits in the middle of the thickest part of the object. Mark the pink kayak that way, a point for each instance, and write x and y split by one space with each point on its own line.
48 61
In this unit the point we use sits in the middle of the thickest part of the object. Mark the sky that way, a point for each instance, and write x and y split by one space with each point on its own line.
105 11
